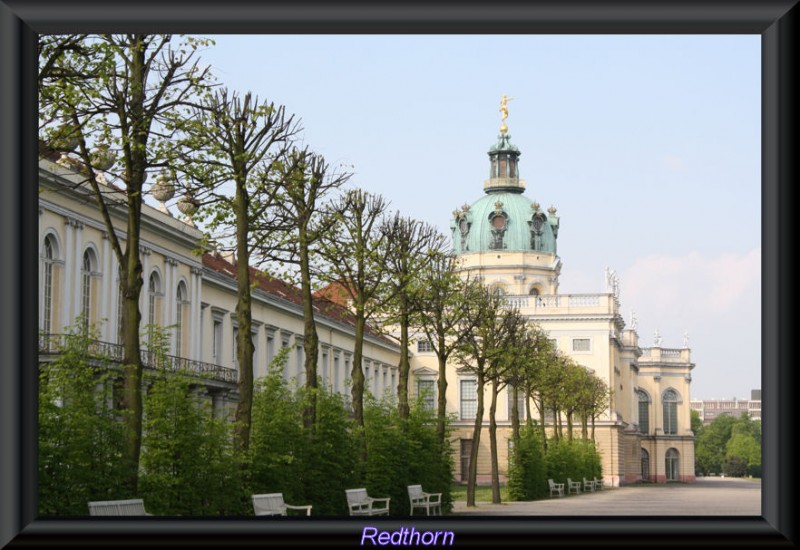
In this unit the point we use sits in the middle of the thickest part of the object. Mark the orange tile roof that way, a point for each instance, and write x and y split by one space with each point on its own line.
323 305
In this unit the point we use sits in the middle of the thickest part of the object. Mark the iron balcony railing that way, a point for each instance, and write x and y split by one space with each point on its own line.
53 344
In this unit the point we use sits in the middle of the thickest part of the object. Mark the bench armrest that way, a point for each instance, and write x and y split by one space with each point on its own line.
433 498
374 502
306 508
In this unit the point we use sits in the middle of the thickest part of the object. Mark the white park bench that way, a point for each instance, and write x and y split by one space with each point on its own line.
272 504
361 504
557 488
588 485
573 486
131 507
599 483
420 499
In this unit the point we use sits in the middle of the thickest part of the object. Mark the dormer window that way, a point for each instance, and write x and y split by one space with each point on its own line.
499 223
537 225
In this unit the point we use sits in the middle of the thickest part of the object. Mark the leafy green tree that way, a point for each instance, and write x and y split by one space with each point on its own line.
697 423
232 140
301 182
117 93
414 246
80 438
480 347
355 250
710 446
527 473
443 301
188 465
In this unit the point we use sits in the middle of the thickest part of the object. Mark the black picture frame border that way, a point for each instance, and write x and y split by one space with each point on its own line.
21 21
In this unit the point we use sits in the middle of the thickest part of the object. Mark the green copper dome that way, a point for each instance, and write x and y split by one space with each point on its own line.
504 219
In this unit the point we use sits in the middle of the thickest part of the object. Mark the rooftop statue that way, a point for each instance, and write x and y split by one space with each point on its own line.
504 109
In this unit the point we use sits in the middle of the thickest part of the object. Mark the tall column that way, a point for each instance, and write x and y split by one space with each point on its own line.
76 272
193 305
66 293
105 295
114 305
168 301
198 315
143 296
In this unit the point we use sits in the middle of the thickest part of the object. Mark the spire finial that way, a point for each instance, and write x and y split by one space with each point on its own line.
504 109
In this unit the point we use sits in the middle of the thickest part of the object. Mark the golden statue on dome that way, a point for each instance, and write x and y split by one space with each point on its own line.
504 109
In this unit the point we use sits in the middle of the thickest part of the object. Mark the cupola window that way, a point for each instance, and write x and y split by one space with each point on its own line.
499 223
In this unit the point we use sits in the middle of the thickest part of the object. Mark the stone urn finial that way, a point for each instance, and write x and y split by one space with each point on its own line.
188 205
163 190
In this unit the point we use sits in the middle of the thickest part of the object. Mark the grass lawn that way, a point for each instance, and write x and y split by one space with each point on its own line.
482 493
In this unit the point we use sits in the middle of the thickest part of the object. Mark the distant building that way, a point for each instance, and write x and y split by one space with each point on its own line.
710 409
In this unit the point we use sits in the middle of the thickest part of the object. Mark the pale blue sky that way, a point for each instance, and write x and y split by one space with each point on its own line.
649 146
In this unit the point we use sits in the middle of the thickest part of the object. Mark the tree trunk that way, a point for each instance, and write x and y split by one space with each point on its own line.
404 367
357 374
132 268
569 425
515 415
476 439
310 336
529 401
244 316
493 443
541 419
131 280
441 413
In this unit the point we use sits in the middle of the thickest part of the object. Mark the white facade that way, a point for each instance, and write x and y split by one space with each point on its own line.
193 296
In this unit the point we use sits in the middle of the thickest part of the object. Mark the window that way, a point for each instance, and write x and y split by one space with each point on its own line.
534 291
180 317
426 390
672 466
645 465
254 341
86 286
235 348
644 412
49 254
581 344
466 450
424 346
469 399
153 292
670 401
270 347
300 366
323 369
216 341
336 386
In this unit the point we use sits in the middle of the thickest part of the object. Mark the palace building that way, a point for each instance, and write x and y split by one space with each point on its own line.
510 242
195 296
505 238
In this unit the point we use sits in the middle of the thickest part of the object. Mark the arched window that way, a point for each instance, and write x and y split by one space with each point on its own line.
87 268
181 314
534 291
645 465
644 411
670 403
153 294
49 256
498 290
672 465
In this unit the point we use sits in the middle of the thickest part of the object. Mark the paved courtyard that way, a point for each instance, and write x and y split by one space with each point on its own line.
709 496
